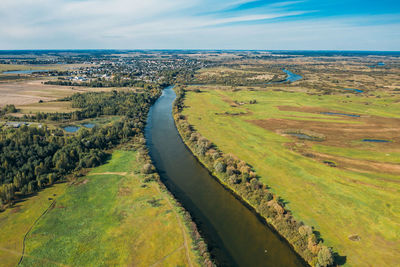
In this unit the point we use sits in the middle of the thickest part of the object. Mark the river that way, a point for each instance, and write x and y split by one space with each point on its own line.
234 234
291 77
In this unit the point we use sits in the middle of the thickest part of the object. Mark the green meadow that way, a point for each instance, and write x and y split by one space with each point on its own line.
107 218
355 205
15 222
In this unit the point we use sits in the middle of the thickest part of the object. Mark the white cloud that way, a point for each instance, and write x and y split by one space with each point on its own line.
30 24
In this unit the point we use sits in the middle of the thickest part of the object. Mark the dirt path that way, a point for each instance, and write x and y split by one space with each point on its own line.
30 229
109 173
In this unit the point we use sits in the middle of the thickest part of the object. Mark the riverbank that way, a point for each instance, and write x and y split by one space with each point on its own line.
242 179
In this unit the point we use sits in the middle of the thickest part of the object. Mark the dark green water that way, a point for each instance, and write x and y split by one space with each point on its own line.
234 234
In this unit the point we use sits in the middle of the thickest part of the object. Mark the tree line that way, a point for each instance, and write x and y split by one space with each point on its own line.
99 83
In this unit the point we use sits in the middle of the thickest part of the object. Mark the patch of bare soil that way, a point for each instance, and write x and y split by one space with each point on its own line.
354 238
31 91
366 165
82 182
15 210
124 191
343 134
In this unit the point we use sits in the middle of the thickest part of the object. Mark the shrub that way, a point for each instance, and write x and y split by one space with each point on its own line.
220 166
305 230
325 257
268 196
148 168
193 137
254 184
230 170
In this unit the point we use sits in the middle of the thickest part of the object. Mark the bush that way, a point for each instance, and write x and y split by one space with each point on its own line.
325 257
305 230
268 196
220 166
148 168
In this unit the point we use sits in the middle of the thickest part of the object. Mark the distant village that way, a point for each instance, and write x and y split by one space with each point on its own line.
138 67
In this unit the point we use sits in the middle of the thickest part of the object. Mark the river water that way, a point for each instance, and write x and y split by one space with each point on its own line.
291 77
235 235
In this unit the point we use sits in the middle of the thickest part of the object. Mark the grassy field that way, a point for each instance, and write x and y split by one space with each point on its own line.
15 222
107 218
360 197
59 67
47 107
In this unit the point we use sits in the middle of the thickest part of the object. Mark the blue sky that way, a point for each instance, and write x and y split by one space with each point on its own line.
200 24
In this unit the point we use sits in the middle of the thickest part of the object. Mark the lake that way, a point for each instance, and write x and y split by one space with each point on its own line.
24 71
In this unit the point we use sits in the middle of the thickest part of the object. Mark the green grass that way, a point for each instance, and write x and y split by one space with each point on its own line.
48 107
336 201
106 220
392 157
16 221
59 67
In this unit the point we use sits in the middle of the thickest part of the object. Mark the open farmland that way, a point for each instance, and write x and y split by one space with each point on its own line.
333 157
58 67
32 91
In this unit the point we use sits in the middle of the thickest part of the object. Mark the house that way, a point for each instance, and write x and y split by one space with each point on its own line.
13 124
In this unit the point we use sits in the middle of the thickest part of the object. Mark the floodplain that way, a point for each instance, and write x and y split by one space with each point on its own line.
317 146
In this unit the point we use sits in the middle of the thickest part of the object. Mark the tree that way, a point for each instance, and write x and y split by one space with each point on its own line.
7 192
220 166
325 257
147 168
52 178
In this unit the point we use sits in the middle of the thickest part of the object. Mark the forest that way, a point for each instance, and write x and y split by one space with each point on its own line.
34 157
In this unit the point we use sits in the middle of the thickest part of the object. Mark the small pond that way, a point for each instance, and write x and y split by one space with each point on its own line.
376 140
379 64
24 71
354 90
341 114
71 129
89 125
303 136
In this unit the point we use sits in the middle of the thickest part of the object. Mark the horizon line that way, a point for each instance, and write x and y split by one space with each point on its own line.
195 49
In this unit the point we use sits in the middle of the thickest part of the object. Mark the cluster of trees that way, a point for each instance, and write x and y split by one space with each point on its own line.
8 109
242 179
32 158
98 83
